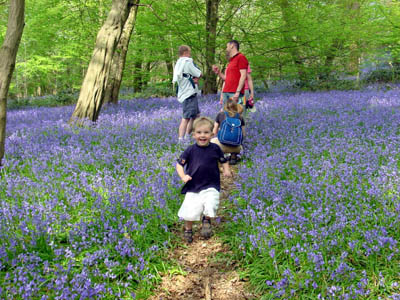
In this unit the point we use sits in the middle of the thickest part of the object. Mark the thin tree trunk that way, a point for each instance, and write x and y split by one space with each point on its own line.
353 8
210 83
8 54
289 41
170 67
119 59
146 75
330 57
168 60
93 88
138 73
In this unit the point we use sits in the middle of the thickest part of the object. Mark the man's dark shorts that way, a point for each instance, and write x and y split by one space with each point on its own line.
190 107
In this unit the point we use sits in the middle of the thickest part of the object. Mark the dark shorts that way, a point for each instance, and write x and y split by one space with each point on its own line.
190 107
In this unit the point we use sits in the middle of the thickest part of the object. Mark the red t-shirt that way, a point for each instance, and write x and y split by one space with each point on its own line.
236 63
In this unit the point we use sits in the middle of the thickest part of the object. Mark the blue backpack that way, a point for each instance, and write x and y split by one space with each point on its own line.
230 132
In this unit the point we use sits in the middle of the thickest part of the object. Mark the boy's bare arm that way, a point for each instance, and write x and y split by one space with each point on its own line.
179 169
221 97
226 170
215 129
251 85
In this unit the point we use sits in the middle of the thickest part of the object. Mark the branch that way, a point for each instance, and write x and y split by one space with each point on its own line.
229 17
387 18
152 9
199 8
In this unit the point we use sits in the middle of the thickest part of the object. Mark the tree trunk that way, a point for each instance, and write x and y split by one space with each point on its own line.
290 25
8 54
355 53
331 52
119 59
170 68
210 83
137 76
93 88
146 75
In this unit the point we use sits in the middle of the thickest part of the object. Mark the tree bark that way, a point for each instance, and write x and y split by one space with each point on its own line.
354 57
287 33
168 60
119 59
93 88
210 83
146 75
329 58
8 54
170 67
137 75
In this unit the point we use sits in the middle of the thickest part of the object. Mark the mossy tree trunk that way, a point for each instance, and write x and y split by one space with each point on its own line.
8 54
119 59
94 85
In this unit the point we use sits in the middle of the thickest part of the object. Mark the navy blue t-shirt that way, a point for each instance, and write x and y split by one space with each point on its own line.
201 163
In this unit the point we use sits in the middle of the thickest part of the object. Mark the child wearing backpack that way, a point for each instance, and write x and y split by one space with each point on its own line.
229 129
198 168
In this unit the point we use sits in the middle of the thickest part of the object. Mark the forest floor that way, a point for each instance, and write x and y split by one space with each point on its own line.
209 271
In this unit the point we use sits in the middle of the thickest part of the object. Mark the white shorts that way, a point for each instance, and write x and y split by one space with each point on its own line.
195 204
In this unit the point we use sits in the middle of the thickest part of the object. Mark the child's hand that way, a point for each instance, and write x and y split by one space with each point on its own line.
215 69
186 178
228 173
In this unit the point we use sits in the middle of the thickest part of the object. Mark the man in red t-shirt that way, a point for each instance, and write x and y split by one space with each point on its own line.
235 74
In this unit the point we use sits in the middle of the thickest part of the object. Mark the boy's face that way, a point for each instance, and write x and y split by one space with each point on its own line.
202 134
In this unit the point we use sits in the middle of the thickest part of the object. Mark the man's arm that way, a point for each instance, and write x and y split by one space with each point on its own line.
218 72
243 75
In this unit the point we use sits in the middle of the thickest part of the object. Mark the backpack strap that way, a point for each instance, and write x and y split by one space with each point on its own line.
190 78
226 114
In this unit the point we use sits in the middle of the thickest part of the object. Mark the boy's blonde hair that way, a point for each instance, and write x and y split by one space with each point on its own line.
232 107
203 121
182 49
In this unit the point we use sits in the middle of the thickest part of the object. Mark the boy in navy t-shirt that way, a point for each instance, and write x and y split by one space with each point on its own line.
198 168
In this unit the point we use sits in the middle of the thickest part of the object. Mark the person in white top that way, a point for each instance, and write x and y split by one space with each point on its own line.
186 75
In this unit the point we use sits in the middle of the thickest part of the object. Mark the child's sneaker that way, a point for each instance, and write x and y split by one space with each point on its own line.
206 228
188 235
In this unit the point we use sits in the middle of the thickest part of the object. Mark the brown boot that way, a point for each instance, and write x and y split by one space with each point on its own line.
206 231
188 235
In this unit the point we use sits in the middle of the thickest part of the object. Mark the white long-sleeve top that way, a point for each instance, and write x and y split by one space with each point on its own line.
185 65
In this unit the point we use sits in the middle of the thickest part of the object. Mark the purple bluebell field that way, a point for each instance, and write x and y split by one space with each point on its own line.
85 210
318 196
86 213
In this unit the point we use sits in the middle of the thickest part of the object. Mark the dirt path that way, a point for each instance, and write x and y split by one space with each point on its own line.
208 271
